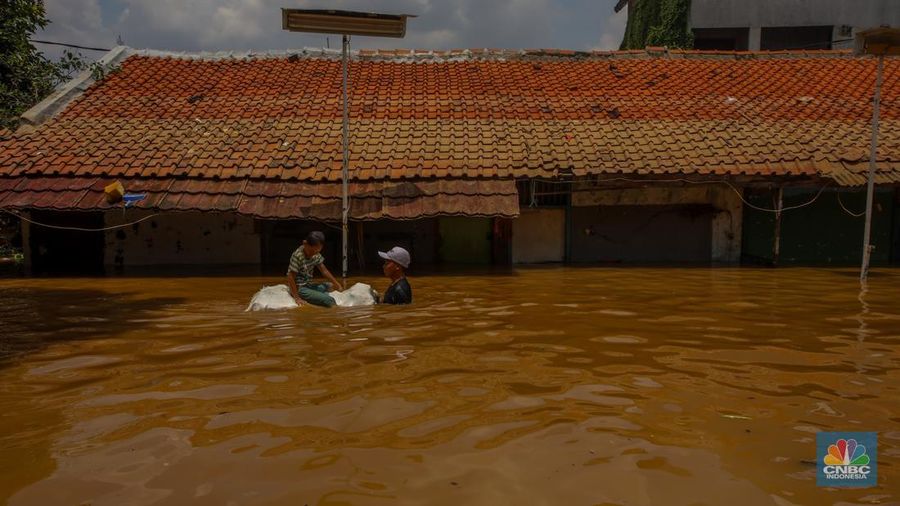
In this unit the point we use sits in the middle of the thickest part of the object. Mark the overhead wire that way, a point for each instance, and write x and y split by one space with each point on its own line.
78 229
851 213
74 46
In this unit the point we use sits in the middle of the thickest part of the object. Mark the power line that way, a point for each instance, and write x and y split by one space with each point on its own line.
74 46
79 229
851 213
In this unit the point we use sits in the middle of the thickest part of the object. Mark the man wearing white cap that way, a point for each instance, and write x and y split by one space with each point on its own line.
396 261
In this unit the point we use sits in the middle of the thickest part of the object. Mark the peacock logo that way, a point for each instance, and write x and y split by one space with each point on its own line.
846 452
847 459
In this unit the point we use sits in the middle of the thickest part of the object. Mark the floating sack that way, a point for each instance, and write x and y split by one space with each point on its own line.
359 294
272 297
279 297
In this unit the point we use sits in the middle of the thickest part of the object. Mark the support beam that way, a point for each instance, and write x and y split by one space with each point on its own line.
776 245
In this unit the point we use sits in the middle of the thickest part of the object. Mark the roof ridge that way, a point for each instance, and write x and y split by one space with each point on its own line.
490 53
70 90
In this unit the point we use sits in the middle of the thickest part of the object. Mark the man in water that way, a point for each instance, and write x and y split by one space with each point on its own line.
300 273
396 261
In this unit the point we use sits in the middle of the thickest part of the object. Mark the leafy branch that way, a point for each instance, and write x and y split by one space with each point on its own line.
26 75
658 23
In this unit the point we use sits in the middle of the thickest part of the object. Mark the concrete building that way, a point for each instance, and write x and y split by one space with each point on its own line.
787 24
754 25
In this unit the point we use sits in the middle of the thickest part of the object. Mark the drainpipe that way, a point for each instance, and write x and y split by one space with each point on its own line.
776 246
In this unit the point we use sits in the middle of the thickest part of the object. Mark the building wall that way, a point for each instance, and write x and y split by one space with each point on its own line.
464 240
539 236
66 249
738 13
726 224
419 237
181 238
755 14
820 233
725 204
667 234
895 230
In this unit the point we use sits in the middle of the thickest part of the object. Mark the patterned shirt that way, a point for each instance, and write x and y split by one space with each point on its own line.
303 267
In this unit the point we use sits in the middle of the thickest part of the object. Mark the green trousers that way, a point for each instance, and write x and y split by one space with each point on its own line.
316 294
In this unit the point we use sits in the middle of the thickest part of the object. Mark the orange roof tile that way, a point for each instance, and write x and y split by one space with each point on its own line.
467 114
319 201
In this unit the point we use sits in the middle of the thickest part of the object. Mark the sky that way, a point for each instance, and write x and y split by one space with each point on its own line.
221 25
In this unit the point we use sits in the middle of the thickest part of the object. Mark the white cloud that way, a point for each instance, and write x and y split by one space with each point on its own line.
213 25
78 20
611 38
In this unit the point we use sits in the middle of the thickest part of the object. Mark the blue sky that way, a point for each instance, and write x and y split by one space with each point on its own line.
214 25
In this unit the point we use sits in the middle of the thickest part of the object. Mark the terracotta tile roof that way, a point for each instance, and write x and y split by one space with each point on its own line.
467 114
272 199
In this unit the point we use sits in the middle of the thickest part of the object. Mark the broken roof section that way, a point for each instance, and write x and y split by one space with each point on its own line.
420 115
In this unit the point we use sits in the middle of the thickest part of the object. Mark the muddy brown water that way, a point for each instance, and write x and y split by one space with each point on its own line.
548 386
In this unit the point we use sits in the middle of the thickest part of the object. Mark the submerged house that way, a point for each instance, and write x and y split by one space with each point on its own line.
461 156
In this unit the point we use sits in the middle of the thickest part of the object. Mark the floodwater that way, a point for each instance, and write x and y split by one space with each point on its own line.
564 386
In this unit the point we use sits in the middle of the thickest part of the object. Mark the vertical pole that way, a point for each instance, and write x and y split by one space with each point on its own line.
360 245
776 245
345 167
870 185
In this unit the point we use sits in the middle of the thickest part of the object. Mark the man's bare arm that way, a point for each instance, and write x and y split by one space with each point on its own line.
325 272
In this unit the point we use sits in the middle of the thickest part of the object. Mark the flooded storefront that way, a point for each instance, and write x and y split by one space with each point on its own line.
534 386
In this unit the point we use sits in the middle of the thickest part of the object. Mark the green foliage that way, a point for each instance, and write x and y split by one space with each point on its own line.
26 76
10 239
658 23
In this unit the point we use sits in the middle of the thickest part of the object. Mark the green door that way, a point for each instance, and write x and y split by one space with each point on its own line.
465 240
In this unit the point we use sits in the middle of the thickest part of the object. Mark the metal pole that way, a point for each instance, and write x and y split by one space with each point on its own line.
870 185
776 244
345 167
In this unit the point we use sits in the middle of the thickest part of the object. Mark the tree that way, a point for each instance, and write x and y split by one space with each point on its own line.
26 76
658 23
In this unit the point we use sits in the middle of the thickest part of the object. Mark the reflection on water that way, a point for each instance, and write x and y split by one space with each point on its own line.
552 386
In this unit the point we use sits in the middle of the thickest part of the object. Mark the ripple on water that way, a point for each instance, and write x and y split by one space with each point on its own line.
620 339
625 389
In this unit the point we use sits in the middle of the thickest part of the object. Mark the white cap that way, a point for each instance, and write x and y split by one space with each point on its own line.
396 254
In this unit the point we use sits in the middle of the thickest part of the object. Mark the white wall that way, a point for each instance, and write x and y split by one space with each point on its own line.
772 13
726 224
539 236
754 14
181 238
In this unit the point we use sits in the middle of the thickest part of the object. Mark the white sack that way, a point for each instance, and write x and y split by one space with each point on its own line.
360 294
279 297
